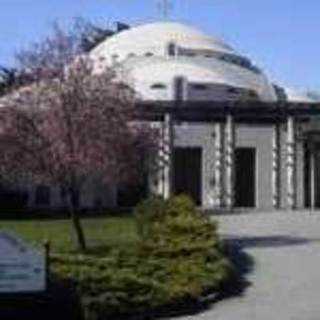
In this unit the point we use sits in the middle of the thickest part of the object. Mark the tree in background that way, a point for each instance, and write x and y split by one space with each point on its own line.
90 34
7 78
313 94
80 39
11 78
70 123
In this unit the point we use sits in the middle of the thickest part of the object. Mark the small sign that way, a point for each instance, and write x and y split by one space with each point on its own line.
22 268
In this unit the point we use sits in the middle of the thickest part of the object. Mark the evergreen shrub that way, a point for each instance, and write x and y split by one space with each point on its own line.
177 261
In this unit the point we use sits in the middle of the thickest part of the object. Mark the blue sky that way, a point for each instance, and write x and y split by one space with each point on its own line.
281 36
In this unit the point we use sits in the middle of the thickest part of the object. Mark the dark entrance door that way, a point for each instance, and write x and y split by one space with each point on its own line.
312 175
187 172
316 179
245 169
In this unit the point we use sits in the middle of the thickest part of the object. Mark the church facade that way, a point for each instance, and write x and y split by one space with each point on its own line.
240 155
230 137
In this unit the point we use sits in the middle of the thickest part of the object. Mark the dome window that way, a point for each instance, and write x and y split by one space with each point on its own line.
224 58
199 87
115 58
234 91
252 94
171 49
189 54
158 86
149 54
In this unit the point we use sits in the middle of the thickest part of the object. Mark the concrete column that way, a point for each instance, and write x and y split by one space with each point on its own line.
167 155
218 168
276 196
291 164
229 162
312 180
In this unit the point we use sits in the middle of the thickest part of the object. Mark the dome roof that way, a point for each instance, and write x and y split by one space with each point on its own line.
145 55
155 37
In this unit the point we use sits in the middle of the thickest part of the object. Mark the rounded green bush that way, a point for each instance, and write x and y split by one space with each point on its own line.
189 243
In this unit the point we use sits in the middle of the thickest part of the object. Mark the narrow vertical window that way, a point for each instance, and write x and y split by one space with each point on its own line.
171 49
178 89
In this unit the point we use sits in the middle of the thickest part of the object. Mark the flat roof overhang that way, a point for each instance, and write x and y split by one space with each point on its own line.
208 111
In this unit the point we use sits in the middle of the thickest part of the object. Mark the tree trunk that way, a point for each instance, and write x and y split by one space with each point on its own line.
73 206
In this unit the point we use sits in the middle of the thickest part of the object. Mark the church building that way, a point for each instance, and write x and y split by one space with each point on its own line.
230 137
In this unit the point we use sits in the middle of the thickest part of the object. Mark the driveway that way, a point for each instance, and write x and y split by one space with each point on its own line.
285 279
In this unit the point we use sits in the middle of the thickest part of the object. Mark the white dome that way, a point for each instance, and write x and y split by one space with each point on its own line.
143 53
154 38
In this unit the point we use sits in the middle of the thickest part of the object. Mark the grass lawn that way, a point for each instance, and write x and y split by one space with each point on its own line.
119 276
113 231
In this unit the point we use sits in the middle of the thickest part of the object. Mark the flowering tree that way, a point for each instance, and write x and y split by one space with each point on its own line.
69 123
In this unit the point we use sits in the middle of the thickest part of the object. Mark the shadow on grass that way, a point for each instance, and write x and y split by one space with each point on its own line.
60 301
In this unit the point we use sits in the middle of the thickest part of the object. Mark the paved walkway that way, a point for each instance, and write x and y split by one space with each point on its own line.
285 280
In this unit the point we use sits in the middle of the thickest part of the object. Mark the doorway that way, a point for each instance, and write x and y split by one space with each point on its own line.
187 167
312 176
245 177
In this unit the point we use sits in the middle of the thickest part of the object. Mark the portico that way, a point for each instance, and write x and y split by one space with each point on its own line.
267 141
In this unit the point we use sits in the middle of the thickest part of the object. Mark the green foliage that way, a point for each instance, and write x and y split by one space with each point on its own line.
177 258
189 243
180 230
146 213
118 283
